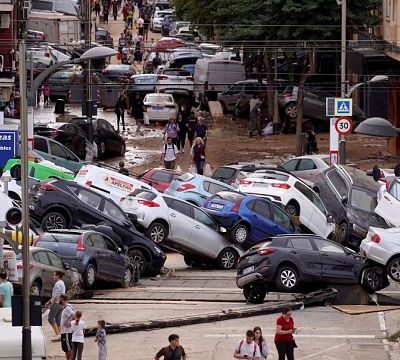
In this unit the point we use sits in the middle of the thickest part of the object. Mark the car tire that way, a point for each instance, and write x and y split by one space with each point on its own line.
293 209
291 110
127 277
89 276
227 259
53 220
393 268
191 260
372 280
239 234
36 288
287 279
255 293
343 230
138 260
157 232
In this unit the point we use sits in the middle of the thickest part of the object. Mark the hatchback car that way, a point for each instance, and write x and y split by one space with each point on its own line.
307 167
182 227
350 196
159 178
286 262
195 188
389 203
159 107
61 204
248 218
93 254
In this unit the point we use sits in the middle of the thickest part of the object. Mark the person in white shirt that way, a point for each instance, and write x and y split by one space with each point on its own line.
170 154
67 316
54 317
254 101
259 340
247 348
78 327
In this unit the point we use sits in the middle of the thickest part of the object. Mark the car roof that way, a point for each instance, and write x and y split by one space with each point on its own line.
61 231
359 178
241 166
314 156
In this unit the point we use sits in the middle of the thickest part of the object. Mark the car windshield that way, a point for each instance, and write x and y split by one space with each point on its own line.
176 72
230 196
224 173
65 238
363 200
143 194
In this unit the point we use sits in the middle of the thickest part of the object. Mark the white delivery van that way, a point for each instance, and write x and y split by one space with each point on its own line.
108 182
214 76
11 339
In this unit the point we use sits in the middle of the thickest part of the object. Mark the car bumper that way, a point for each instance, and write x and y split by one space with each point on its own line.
375 252
248 279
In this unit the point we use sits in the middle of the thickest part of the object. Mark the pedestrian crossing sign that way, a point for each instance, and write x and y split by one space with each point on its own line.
343 107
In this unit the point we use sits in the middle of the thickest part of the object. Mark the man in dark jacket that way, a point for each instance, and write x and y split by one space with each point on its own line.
120 107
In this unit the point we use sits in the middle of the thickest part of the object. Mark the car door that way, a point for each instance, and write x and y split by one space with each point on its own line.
307 170
46 270
334 193
231 96
305 254
115 260
319 220
59 155
180 222
290 165
389 204
99 251
283 224
261 220
87 208
337 265
304 197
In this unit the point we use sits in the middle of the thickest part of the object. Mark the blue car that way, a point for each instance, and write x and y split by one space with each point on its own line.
248 218
195 188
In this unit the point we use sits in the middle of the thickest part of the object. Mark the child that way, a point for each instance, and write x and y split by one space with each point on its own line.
101 339
78 328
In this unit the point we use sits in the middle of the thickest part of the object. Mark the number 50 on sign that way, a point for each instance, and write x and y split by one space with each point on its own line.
344 126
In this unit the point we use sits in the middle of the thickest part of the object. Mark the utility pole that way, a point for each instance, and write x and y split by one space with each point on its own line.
342 142
276 105
88 38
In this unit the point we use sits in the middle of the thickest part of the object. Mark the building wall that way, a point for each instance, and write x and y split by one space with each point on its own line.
391 25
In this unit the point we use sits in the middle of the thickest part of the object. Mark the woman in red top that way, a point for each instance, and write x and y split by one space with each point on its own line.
285 329
199 156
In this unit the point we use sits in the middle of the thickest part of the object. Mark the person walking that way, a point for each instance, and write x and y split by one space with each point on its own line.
139 25
255 120
284 341
101 340
191 128
166 26
67 315
138 43
6 290
146 25
137 110
78 339
170 154
120 107
259 340
122 169
106 11
121 43
201 130
46 93
254 101
172 131
97 8
247 348
182 133
129 17
54 317
174 351
157 61
115 9
199 155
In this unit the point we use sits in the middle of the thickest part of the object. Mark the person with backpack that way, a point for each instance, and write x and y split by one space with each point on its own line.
174 351
172 131
170 154
247 348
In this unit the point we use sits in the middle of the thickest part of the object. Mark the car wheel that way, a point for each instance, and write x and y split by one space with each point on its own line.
123 149
291 110
287 279
255 293
127 277
191 260
393 269
373 281
157 232
36 288
343 232
53 220
227 259
138 261
89 276
239 234
293 209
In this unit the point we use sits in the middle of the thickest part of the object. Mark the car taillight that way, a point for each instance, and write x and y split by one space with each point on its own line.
80 246
236 207
47 187
189 78
264 252
20 266
163 77
185 187
376 238
281 186
245 182
148 203
47 55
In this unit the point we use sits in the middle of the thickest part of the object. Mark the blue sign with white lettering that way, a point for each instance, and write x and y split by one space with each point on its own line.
8 145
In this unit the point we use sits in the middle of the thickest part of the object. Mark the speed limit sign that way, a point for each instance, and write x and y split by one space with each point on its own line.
344 126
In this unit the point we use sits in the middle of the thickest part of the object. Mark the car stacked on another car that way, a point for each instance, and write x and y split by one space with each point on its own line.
307 167
159 178
389 203
120 73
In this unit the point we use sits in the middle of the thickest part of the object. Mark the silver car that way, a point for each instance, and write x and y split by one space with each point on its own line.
307 167
181 226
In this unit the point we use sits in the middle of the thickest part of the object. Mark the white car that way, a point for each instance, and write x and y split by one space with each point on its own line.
175 79
157 19
307 167
159 107
181 226
389 203
297 198
209 50
383 247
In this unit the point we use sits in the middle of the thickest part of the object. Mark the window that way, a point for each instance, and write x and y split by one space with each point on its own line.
224 173
110 244
71 156
97 241
71 129
338 183
181 207
161 176
290 165
214 188
318 203
236 89
395 190
143 194
41 257
327 246
363 200
32 171
89 198
40 144
262 208
282 219
113 211
306 164
250 204
301 244
305 190
250 88
203 218
55 260
57 150
59 237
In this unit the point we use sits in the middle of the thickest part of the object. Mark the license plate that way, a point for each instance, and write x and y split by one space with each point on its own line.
261 185
157 108
217 206
247 270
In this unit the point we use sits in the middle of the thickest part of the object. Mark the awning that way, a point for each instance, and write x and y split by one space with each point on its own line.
6 7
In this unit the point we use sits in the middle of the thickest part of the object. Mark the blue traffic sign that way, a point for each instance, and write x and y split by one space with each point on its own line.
343 107
8 145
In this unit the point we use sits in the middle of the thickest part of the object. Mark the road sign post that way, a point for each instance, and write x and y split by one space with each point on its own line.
333 143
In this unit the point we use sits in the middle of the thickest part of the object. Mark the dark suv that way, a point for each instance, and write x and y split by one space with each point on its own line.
93 254
350 196
60 204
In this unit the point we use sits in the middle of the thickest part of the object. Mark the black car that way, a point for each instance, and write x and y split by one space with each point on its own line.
350 196
104 134
70 135
292 263
92 253
63 204
121 73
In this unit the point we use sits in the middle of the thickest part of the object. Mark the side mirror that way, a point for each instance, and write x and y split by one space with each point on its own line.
345 200
222 230
66 266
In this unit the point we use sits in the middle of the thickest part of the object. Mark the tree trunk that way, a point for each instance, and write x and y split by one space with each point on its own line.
270 85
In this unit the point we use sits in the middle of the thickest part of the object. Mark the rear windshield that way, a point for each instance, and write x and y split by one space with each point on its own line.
186 177
159 98
224 173
65 238
143 194
176 72
230 196
62 75
279 177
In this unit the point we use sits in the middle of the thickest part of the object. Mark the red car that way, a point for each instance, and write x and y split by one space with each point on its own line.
159 178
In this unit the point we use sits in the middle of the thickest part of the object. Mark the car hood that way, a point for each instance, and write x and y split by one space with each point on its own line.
366 219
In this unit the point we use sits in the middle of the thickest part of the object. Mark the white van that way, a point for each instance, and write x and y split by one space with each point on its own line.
214 76
108 182
11 339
